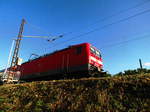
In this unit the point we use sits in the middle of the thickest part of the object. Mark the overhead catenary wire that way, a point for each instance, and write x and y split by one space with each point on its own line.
123 11
126 41
39 29
100 20
103 27
36 36
96 29
111 16
97 21
48 34
48 38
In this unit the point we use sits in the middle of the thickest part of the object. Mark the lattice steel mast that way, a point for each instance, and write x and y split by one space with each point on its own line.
14 61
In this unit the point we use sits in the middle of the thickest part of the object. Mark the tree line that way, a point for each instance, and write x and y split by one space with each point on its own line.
133 72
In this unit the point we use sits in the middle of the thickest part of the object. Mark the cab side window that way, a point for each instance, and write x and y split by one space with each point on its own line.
79 50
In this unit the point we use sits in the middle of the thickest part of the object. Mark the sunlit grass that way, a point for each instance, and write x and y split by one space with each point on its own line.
127 93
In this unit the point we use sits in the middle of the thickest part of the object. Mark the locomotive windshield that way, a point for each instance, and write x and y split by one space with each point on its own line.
95 51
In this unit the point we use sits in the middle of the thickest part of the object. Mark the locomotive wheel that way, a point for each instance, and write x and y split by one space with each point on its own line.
95 74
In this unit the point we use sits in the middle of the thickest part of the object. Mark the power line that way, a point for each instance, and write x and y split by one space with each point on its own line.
44 31
100 20
39 29
105 26
123 11
126 41
113 15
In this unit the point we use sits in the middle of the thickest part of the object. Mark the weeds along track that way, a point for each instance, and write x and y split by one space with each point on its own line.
126 93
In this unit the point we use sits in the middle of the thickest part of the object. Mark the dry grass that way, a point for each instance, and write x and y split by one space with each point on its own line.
128 93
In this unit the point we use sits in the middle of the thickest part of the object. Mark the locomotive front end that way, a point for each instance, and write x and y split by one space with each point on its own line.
95 60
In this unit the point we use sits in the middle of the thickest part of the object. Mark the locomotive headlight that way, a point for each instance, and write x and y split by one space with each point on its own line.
95 60
92 58
100 62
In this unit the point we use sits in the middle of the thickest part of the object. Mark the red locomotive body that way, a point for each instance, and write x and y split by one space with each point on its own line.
78 59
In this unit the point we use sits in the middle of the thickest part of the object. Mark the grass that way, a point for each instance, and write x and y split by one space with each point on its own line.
114 94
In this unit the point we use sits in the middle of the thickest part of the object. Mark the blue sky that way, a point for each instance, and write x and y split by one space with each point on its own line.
121 44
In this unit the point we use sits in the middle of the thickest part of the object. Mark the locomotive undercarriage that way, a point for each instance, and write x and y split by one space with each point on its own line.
94 71
86 70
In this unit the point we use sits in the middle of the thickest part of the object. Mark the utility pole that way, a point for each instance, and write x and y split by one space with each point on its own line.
141 67
14 61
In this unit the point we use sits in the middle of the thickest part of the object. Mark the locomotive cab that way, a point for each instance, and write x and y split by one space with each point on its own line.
95 60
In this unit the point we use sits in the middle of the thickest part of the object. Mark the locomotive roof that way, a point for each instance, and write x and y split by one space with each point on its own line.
54 52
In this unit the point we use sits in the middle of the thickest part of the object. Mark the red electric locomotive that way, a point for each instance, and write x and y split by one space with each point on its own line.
74 61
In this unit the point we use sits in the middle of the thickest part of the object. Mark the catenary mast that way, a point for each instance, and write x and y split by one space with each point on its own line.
14 62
